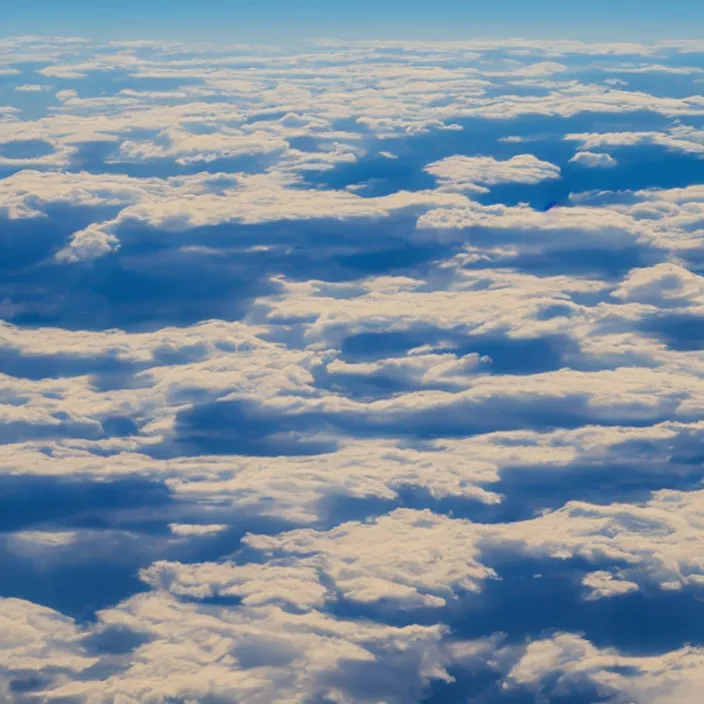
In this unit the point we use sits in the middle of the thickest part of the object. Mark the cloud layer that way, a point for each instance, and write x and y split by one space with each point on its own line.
367 373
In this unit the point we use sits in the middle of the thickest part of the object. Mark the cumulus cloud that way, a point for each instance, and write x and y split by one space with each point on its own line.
662 285
593 159
91 243
571 661
367 563
187 148
603 584
37 640
681 138
598 227
465 173
259 652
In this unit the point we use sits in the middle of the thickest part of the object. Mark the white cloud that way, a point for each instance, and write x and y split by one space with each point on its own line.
32 88
67 94
35 639
187 148
257 585
255 653
395 558
593 159
45 539
567 660
181 203
411 559
465 173
91 243
603 584
654 542
662 285
598 227
188 529
679 138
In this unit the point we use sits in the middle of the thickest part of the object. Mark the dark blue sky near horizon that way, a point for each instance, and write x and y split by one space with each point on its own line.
351 371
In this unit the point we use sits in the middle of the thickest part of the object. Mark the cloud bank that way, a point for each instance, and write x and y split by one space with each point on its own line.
370 372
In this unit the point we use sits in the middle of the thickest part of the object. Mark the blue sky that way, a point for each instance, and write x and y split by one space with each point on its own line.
284 20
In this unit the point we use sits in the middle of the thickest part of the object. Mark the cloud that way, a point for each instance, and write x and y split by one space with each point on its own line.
593 159
181 204
682 138
568 661
186 529
257 652
662 285
67 94
328 374
603 585
87 244
368 564
31 88
465 173
37 640
187 148
599 225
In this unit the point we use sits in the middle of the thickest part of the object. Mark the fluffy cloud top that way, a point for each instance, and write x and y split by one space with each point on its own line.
466 173
593 159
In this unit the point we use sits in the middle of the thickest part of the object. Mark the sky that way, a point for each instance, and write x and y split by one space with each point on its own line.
293 20
364 369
